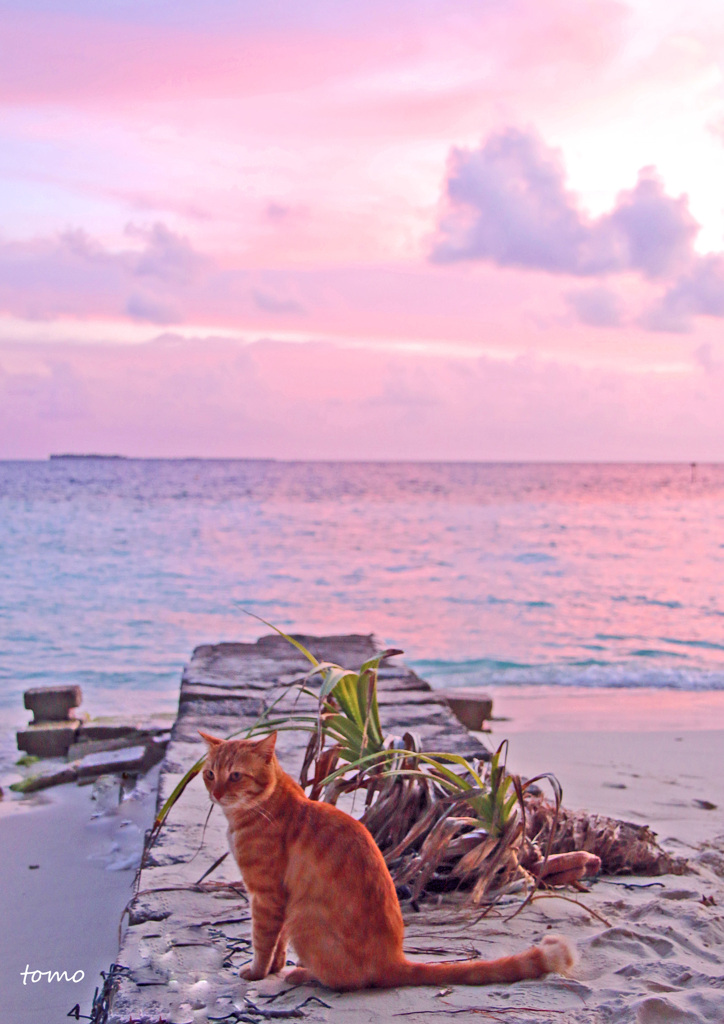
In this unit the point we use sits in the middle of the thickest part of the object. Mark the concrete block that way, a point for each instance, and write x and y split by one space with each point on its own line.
471 707
48 739
52 703
131 759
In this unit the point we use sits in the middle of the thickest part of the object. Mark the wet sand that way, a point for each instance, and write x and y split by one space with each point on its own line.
67 872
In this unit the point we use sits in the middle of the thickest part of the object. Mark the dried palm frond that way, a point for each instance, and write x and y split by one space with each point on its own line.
623 847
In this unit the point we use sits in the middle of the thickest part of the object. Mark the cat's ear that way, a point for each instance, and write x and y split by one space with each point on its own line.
210 741
266 746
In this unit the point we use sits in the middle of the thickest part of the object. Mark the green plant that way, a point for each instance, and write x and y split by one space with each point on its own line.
440 820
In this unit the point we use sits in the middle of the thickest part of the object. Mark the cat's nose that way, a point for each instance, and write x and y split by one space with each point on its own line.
217 792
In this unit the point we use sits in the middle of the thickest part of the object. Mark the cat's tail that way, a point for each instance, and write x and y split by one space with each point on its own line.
554 954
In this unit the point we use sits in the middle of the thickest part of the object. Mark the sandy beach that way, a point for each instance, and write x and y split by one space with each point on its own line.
651 757
69 856
650 949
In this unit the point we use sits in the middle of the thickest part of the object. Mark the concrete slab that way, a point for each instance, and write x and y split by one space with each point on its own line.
112 729
470 706
48 739
130 759
135 739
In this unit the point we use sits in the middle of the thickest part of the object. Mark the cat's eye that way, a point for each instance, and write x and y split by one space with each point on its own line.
235 776
208 774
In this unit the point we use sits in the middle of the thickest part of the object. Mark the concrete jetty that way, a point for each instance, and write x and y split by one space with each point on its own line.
187 932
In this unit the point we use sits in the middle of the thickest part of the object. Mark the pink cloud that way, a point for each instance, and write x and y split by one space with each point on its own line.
597 306
63 58
508 203
73 274
160 108
160 278
211 397
94 55
298 161
699 291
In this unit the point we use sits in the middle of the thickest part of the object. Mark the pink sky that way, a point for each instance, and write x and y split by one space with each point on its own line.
452 229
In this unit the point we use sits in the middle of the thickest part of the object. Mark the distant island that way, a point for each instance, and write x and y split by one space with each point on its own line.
71 455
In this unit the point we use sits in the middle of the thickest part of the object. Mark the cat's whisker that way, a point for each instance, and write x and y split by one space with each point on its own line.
260 811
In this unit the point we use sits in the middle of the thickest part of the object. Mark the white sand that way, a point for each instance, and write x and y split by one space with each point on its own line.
651 778
648 758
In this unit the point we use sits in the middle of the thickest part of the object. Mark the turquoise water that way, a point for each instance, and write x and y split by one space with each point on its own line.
112 571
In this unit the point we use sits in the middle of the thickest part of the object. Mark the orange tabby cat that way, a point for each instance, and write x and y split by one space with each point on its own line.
316 877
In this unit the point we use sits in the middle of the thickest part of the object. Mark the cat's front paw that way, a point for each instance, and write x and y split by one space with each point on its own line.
251 974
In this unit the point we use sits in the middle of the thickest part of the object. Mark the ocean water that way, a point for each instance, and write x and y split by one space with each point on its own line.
112 571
